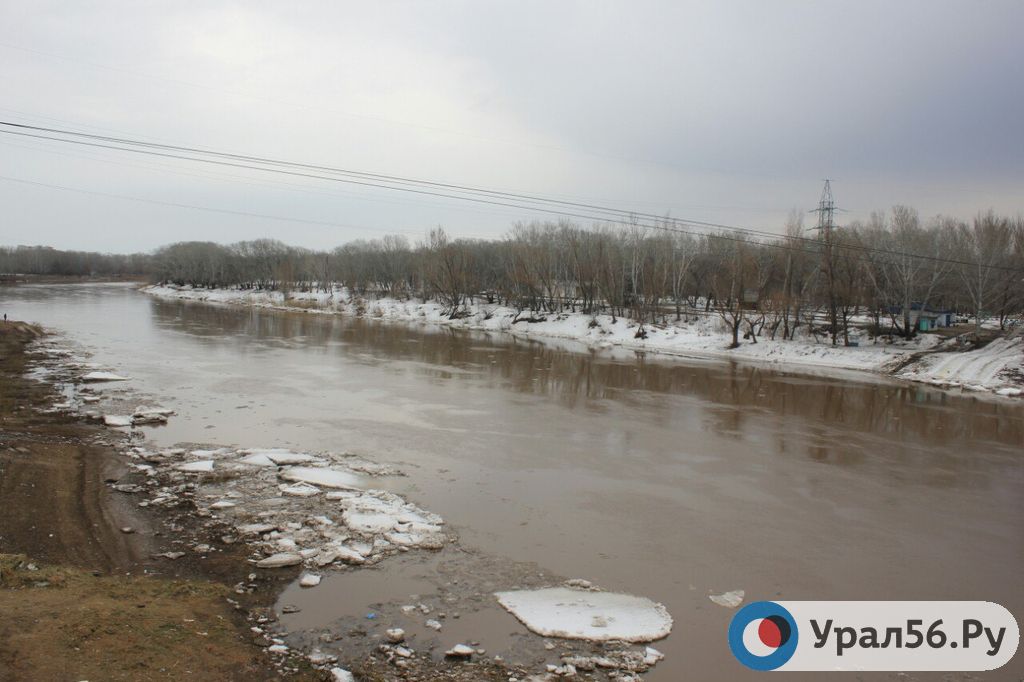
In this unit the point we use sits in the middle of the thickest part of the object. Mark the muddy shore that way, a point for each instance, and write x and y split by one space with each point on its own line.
81 595
84 589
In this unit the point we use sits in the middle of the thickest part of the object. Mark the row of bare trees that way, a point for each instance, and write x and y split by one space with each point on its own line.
804 282
44 260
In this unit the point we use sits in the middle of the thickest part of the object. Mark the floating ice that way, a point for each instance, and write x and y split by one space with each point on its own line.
309 580
584 614
329 478
103 376
201 466
730 599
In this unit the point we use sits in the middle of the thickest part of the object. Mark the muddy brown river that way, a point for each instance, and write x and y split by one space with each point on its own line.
664 477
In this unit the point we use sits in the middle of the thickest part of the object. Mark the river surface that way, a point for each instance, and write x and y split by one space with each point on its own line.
665 477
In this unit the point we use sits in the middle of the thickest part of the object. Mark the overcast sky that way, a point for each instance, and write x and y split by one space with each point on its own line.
730 112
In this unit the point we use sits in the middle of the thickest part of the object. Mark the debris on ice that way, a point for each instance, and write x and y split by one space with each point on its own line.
590 615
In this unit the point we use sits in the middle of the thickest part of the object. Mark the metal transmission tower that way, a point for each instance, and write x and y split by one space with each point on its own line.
826 211
826 227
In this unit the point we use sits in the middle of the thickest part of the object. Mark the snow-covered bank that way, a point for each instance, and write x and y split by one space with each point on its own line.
999 367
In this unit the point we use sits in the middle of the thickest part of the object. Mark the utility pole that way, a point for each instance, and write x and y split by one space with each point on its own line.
826 227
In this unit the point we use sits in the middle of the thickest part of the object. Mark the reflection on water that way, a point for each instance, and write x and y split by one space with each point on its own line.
730 395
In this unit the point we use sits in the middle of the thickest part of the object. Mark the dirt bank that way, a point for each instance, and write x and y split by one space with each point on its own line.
80 597
85 592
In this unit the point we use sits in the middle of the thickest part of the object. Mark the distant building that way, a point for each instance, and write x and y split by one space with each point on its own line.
926 318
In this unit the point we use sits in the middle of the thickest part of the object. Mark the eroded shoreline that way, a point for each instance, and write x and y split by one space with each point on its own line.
196 523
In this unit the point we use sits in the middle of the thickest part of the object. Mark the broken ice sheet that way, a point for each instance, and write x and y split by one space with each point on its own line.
195 467
278 456
584 614
730 599
328 478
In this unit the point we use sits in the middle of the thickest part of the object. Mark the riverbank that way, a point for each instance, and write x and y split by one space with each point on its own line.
209 542
81 594
996 368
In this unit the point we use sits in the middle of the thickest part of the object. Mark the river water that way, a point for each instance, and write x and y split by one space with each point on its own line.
665 477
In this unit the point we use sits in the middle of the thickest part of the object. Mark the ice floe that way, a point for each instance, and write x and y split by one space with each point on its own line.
587 614
730 599
93 377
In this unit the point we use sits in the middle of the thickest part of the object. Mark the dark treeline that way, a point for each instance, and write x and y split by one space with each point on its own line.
806 280
44 260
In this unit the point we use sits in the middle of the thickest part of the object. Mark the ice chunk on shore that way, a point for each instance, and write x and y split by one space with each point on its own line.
300 490
583 614
103 376
279 560
329 478
117 420
201 466
341 675
369 523
259 460
280 456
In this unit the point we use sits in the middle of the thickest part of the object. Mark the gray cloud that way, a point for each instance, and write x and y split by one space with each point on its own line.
728 112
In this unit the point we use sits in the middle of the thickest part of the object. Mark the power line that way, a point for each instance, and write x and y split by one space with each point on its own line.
438 189
194 207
